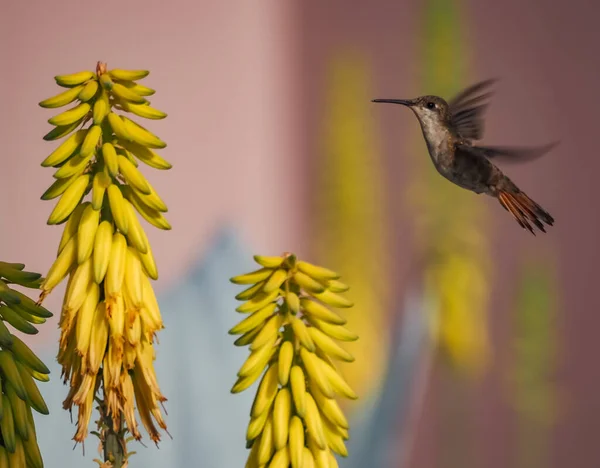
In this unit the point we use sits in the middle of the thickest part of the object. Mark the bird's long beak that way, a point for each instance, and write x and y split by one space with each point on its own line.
404 102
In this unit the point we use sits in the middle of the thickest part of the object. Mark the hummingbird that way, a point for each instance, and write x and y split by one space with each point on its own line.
450 129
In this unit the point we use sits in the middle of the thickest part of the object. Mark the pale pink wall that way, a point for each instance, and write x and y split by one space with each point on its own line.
225 74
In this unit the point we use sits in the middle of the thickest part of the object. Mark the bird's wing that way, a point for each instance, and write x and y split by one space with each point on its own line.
470 169
513 154
467 108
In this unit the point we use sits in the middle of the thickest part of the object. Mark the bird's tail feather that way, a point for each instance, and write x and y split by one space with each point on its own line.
525 210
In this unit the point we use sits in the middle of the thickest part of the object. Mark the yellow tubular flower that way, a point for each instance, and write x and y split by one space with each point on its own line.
110 315
295 418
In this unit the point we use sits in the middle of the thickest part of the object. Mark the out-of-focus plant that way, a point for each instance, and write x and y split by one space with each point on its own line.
109 314
449 220
534 360
19 366
350 220
292 333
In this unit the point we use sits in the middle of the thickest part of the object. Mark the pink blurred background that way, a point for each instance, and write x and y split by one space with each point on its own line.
226 76
244 85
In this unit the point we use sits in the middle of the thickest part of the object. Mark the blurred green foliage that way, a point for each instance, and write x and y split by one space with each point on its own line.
534 360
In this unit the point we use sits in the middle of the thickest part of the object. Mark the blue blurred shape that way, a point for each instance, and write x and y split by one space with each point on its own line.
382 431
198 363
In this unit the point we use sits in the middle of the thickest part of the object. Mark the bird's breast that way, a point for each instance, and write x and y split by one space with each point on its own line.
441 151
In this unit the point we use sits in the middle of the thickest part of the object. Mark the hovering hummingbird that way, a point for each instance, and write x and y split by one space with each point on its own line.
450 129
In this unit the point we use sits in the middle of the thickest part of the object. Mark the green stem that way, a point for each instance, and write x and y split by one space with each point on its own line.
115 446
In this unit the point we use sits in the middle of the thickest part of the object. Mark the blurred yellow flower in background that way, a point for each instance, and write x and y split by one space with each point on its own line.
350 226
449 221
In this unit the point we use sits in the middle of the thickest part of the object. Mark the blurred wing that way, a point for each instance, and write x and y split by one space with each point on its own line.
467 108
513 154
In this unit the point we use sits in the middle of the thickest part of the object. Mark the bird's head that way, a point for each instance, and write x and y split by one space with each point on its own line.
430 110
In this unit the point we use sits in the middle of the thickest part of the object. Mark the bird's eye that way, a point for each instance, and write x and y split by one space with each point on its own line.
430 105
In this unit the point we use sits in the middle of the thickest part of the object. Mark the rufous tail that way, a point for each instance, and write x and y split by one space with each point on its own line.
525 210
